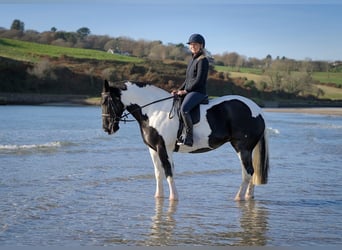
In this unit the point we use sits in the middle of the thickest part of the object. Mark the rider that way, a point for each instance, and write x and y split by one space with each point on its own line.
194 87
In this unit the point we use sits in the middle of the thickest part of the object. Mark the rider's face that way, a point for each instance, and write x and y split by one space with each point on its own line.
195 47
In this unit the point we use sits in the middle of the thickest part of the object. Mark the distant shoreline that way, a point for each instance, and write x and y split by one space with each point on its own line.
315 110
72 100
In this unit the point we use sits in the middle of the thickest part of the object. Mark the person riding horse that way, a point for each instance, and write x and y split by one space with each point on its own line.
193 90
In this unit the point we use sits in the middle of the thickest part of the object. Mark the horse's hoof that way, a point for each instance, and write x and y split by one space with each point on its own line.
249 197
238 198
173 198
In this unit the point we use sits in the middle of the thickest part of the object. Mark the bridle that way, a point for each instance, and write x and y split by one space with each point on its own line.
114 109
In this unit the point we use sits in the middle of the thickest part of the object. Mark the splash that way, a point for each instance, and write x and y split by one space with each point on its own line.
28 147
273 131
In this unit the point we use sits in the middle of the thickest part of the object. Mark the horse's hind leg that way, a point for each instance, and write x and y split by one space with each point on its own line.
246 190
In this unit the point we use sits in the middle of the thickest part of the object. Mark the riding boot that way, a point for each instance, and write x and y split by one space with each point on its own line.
188 138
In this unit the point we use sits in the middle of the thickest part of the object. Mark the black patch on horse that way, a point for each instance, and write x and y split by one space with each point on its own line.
151 137
225 129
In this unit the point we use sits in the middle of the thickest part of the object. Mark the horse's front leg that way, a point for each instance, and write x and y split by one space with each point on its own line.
159 174
163 162
167 162
172 187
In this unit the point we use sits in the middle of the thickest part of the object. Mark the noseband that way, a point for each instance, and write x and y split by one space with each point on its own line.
112 108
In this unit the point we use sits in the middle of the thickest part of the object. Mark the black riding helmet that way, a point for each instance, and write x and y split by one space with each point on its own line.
196 38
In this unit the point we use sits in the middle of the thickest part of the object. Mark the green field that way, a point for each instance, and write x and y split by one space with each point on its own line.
254 74
238 70
27 51
329 77
331 92
324 77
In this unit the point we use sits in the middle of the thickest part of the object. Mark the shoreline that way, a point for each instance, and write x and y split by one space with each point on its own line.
314 110
84 100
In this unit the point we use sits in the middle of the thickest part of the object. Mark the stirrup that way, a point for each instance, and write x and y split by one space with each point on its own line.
180 141
184 141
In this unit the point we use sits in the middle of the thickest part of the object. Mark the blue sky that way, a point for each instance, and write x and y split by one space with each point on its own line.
297 29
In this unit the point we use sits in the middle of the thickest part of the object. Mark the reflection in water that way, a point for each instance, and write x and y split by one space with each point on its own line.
163 224
253 222
250 231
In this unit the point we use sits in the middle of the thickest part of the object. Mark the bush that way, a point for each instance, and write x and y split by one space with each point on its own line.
43 70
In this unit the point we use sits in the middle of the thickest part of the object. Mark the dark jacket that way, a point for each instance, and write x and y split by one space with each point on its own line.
196 75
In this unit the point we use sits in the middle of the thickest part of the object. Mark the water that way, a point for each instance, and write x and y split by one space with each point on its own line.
64 182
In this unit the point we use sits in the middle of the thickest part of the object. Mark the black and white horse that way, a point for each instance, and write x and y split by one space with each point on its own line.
231 118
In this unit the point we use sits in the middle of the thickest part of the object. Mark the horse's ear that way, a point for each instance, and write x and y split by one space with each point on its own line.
105 87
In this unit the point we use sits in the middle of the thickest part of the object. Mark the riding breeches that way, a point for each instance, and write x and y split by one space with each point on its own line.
190 101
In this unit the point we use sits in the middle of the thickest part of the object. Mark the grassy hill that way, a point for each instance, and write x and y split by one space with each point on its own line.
327 79
31 68
32 52
45 69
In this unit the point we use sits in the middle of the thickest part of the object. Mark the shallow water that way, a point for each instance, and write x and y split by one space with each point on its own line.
64 182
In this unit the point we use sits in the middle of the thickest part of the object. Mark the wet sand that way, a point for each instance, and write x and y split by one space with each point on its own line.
318 111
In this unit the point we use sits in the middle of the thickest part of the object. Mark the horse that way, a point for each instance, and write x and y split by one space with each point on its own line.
229 118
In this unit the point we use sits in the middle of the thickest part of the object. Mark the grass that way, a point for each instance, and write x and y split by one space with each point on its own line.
238 70
324 77
251 74
31 52
329 77
331 92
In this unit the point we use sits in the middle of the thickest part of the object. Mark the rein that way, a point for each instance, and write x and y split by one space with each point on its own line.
125 115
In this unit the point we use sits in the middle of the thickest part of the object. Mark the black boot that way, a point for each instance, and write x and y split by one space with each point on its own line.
187 138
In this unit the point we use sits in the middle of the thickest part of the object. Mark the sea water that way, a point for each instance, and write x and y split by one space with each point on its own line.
64 182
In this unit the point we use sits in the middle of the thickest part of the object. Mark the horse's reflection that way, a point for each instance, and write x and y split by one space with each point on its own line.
163 224
252 230
253 222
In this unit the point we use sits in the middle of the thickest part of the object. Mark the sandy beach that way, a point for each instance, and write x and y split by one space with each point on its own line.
318 111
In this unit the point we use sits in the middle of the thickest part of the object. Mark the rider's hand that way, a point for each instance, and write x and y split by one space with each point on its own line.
182 92
179 92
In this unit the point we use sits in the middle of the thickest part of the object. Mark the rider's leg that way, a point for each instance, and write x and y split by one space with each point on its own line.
188 140
191 100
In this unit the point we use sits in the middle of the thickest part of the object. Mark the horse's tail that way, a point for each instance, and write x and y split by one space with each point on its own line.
261 160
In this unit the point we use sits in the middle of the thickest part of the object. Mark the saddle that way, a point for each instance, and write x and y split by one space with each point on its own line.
195 113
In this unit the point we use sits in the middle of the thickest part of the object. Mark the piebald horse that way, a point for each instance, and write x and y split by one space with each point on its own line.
230 118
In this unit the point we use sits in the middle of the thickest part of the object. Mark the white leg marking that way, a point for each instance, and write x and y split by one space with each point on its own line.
245 187
250 191
172 186
159 174
173 191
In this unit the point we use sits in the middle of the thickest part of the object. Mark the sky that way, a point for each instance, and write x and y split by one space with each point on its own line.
296 29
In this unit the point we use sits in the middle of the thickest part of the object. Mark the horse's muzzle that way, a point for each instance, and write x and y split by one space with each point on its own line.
111 128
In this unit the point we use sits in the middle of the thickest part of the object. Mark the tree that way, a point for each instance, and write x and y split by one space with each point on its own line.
17 25
268 61
286 77
83 32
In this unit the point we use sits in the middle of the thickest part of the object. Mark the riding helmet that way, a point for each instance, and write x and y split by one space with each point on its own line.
196 38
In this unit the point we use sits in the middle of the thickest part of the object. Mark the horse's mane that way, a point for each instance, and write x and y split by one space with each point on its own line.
146 84
141 84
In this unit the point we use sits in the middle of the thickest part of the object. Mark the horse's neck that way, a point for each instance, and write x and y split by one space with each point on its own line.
144 95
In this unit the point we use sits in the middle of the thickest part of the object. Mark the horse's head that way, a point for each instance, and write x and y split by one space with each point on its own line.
112 108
